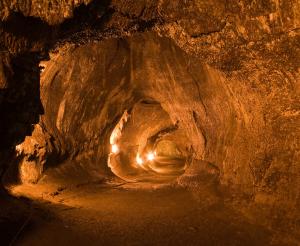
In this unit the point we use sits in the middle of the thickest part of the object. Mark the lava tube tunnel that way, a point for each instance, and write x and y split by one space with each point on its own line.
149 122
147 146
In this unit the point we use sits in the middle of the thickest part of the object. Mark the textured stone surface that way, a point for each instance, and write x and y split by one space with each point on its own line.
53 12
229 120
228 72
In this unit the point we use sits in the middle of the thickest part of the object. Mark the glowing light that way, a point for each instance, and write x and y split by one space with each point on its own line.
19 149
139 160
150 156
114 148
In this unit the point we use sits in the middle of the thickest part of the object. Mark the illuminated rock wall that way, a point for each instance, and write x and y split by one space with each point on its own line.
227 71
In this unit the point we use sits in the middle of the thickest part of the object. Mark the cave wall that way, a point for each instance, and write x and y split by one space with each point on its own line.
251 47
231 115
53 12
85 92
230 120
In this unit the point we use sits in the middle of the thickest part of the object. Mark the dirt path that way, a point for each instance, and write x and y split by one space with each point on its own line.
94 215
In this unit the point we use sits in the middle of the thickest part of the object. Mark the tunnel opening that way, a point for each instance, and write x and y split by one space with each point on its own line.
147 146
122 104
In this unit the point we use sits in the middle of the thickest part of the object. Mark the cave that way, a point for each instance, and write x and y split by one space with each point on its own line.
155 122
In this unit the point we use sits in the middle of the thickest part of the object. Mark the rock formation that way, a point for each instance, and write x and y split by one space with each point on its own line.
225 74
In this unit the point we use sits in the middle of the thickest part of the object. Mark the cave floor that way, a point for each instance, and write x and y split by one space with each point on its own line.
127 214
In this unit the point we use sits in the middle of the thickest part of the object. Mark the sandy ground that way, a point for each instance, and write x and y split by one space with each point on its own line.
114 214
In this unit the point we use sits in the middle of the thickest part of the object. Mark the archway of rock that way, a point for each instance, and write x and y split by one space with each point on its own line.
125 112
